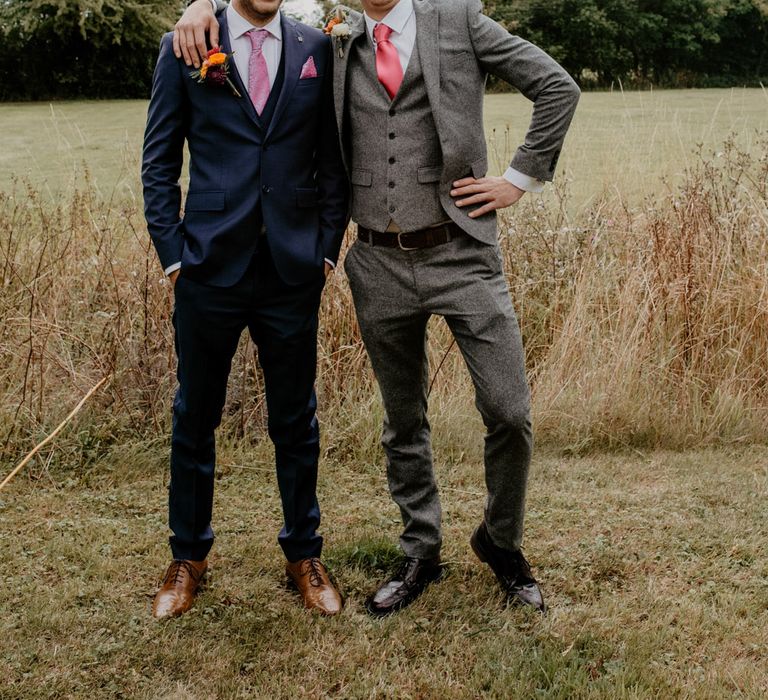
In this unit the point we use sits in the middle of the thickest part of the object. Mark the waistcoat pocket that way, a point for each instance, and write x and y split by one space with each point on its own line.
431 173
362 178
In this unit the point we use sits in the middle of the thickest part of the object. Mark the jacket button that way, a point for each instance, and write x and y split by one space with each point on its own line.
392 209
391 135
391 160
391 185
266 189
392 112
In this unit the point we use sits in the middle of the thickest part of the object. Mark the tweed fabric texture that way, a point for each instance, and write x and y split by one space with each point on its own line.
395 293
458 47
395 150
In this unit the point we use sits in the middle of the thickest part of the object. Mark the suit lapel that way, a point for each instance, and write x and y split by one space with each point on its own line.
428 41
341 65
294 60
234 75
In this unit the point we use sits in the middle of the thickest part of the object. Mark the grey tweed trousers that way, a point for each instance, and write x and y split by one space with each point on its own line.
395 292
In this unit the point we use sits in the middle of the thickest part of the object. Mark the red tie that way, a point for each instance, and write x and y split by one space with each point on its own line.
388 66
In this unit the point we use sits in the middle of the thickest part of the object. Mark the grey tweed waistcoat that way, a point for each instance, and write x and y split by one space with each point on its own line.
396 161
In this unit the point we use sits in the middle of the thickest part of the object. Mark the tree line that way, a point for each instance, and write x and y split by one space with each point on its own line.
666 43
81 48
107 48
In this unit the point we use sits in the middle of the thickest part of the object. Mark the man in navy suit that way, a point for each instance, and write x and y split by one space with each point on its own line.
262 227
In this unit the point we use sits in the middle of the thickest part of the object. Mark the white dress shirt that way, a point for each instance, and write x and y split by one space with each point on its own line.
401 19
241 45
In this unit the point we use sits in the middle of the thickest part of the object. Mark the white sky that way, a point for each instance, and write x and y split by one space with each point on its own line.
306 8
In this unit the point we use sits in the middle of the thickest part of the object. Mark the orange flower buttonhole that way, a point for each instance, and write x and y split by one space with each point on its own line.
329 27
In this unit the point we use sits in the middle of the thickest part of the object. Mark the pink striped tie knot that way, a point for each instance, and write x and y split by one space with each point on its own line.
258 75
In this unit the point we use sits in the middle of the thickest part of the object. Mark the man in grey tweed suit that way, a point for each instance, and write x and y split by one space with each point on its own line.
409 86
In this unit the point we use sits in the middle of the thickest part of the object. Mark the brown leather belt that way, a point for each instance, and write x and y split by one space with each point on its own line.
413 240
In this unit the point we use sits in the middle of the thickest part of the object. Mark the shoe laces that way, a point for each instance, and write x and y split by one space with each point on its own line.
177 569
519 570
314 569
406 570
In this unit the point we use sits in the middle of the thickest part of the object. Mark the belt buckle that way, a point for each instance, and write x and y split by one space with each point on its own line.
400 242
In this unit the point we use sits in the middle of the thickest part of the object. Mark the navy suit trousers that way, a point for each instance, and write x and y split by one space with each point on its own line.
282 321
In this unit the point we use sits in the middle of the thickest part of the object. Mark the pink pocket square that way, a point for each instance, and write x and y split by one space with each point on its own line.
308 70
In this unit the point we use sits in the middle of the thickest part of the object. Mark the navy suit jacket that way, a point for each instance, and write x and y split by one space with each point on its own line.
288 176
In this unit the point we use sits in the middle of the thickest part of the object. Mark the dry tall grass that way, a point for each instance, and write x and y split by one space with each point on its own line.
644 326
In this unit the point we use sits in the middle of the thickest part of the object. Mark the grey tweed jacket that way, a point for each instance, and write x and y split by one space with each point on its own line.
458 47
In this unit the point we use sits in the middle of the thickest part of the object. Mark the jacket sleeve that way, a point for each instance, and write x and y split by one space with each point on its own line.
537 76
332 184
163 156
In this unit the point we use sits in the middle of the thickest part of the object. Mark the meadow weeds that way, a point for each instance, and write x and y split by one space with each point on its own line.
645 326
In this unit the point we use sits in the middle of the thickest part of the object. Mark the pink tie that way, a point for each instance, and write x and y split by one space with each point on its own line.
388 66
258 75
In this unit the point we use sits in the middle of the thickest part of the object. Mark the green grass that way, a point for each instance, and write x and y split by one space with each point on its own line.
628 142
621 141
49 145
654 567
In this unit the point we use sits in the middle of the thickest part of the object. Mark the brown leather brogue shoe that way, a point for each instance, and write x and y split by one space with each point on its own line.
311 579
180 585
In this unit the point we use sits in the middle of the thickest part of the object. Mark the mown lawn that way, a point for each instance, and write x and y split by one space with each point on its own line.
654 565
623 142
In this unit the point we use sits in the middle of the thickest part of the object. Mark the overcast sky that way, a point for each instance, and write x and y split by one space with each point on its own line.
307 8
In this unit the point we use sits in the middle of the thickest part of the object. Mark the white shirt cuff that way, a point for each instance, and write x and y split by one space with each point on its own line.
523 181
331 263
172 268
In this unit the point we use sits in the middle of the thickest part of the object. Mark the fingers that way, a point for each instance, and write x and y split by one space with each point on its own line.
200 45
465 181
486 209
213 31
476 199
184 42
469 189
176 47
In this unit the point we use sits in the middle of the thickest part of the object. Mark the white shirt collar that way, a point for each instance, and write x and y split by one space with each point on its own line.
238 25
396 19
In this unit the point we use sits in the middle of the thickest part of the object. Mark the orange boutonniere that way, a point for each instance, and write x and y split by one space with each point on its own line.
338 29
215 70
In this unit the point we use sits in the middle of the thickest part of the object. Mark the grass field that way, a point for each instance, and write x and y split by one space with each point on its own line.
654 566
623 142
641 283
